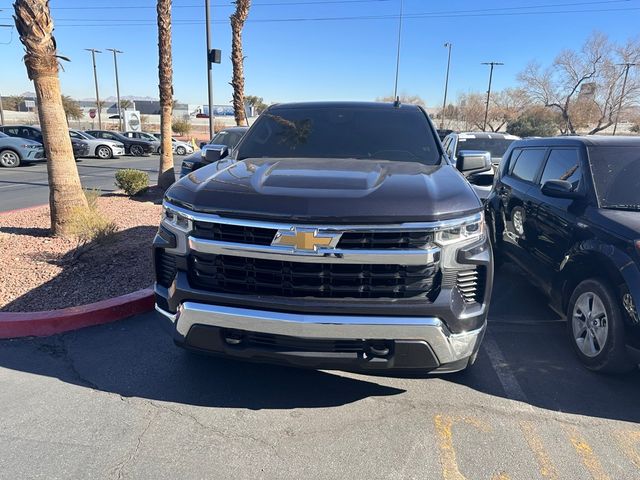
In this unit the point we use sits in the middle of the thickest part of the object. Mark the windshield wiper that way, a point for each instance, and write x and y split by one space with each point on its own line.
635 208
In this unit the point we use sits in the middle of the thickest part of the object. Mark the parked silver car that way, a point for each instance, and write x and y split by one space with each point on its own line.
178 146
15 151
99 147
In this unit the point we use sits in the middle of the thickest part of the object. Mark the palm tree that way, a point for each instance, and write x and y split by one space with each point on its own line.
237 59
35 27
166 174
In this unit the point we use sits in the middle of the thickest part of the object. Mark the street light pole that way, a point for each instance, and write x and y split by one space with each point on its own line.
446 82
627 66
115 64
95 79
1 108
486 110
209 69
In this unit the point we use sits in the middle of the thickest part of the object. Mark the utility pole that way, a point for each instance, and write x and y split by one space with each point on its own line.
209 69
395 88
446 84
486 110
115 64
627 66
1 108
95 78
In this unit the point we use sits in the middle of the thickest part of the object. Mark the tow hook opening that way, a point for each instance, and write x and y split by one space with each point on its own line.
377 349
233 338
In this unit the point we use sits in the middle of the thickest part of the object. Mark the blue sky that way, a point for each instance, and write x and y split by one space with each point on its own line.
335 59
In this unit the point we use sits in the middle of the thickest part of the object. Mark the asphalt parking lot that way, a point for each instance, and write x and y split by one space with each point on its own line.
26 186
121 401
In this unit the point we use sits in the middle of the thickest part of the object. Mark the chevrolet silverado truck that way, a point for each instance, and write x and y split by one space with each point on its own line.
335 235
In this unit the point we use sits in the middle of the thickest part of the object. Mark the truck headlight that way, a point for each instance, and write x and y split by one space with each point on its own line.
473 228
176 220
456 236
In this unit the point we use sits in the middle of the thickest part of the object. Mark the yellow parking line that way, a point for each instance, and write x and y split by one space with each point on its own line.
444 431
630 442
547 468
585 451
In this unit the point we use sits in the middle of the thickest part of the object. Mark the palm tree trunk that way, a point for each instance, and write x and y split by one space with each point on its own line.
35 27
237 58
166 174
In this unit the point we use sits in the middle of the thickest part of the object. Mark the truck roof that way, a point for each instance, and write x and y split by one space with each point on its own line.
576 141
343 104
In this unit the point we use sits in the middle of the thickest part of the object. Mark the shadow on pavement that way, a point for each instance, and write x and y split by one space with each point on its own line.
136 358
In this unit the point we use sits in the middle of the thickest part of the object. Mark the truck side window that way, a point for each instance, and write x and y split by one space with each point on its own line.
527 164
563 164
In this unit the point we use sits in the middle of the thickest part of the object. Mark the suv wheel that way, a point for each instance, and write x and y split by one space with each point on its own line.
596 327
104 152
137 151
9 159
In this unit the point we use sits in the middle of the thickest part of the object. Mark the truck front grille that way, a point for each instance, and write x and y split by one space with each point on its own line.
233 233
232 274
385 240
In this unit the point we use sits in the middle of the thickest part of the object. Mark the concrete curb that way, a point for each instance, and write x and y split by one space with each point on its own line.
41 324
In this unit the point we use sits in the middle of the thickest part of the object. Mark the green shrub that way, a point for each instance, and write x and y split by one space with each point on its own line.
132 181
181 127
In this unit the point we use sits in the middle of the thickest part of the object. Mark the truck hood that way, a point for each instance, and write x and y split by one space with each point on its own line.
327 190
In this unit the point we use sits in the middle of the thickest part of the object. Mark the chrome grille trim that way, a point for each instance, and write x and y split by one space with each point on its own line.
398 227
321 255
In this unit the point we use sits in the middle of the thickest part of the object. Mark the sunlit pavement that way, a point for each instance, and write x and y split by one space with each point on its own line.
27 186
121 401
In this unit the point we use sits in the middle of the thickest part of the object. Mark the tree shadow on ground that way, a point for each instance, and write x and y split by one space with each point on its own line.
119 266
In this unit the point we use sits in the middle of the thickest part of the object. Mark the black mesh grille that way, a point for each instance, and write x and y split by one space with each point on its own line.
165 267
285 343
384 240
471 284
233 233
294 279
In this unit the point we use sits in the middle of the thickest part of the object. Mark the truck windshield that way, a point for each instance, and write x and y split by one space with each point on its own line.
399 134
616 176
495 146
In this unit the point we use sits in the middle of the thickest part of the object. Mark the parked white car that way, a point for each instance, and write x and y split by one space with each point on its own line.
99 147
179 147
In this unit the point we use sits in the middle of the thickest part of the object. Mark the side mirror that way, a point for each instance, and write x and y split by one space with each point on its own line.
213 153
559 189
473 161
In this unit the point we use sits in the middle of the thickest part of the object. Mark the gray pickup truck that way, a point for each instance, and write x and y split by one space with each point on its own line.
335 235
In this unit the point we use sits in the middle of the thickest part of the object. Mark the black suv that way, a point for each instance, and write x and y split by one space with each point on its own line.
132 146
568 211
80 147
335 235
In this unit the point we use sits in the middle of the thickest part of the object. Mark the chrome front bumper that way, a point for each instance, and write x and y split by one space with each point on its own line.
448 347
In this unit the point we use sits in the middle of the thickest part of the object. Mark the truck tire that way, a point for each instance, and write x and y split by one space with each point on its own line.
595 323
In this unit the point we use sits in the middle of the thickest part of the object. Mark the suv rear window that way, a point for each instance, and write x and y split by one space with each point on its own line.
527 163
400 134
495 146
616 176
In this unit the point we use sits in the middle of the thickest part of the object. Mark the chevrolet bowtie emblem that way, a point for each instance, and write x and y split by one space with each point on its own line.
305 239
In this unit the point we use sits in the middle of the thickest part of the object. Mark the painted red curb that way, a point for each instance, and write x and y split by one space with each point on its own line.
41 324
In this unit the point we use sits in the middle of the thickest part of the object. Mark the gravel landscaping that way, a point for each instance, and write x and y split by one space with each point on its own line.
40 272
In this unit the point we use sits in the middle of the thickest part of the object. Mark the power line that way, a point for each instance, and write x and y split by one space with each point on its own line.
141 22
118 23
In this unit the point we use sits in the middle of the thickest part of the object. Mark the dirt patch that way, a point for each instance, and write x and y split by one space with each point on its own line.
40 273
